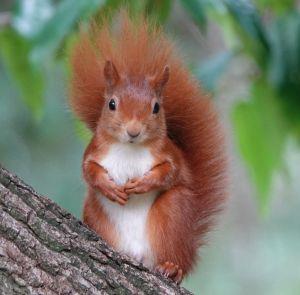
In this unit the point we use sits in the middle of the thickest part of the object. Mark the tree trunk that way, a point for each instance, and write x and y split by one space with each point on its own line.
45 250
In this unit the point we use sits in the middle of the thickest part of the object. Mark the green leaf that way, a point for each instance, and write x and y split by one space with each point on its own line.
248 18
196 9
211 70
15 53
66 16
284 67
261 136
249 28
82 131
160 9
108 9
285 50
276 6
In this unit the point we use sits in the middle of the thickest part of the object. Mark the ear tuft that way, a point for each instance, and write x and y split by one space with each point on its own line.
111 75
160 81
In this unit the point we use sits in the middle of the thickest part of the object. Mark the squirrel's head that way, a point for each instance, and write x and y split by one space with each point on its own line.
133 109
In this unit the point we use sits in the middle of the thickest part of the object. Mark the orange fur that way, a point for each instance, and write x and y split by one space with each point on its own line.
196 187
95 217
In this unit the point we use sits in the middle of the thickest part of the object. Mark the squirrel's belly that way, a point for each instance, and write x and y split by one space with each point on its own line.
130 223
124 162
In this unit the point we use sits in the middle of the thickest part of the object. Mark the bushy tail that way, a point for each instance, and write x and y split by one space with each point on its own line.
139 50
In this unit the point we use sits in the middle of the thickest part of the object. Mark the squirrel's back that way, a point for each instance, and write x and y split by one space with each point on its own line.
138 51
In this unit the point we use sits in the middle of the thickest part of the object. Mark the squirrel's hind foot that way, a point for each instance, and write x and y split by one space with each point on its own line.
170 270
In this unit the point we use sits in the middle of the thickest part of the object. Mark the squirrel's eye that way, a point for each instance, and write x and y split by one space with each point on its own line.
112 105
156 108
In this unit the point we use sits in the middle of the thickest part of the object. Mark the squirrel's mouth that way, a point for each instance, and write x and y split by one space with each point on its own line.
133 140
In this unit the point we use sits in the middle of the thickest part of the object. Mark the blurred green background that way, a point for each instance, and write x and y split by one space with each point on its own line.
245 53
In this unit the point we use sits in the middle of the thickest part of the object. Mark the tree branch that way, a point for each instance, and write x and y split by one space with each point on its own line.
45 250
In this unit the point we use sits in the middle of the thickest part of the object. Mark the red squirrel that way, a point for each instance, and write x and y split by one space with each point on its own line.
155 167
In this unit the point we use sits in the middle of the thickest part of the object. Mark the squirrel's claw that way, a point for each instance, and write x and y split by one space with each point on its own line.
114 193
138 186
170 270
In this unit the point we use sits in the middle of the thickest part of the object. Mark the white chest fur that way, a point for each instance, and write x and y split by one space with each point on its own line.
124 162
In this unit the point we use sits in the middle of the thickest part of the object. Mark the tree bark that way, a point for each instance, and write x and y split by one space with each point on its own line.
45 250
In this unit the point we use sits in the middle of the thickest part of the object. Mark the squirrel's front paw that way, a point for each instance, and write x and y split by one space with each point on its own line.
138 186
113 192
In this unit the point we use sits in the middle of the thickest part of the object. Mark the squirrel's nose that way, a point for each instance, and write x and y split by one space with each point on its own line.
134 133
133 129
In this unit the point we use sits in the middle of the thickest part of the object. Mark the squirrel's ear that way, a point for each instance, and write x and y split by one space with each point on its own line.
161 80
111 74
